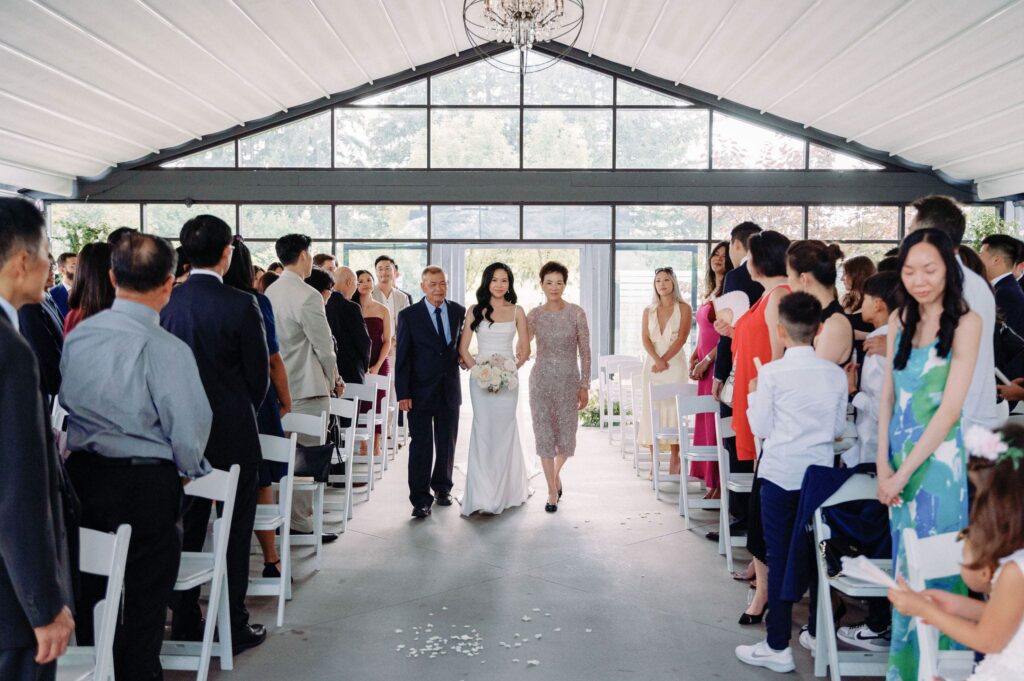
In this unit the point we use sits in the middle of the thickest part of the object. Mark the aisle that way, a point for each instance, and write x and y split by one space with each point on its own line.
655 598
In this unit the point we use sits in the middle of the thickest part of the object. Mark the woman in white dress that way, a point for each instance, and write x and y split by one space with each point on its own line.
496 476
666 326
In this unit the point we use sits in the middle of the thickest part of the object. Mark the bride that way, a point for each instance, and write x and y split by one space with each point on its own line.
496 476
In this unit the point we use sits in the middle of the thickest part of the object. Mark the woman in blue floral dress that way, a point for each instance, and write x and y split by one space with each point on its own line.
922 474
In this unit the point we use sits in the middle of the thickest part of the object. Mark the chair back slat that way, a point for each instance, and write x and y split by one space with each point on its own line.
280 449
105 554
306 424
216 485
345 408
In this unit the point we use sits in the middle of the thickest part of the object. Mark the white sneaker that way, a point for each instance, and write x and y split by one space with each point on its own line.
808 641
863 637
760 655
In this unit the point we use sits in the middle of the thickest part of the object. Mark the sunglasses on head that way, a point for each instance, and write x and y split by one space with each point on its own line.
664 269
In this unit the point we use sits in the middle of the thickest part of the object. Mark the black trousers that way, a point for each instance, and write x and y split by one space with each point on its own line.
739 502
433 429
19 664
196 517
149 499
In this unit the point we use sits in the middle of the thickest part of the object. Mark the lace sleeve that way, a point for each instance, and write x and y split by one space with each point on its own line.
583 343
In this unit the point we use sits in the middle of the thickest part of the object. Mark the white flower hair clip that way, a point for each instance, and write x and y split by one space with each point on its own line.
983 443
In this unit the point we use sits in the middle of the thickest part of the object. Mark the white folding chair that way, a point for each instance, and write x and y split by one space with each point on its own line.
102 554
606 378
827 654
364 432
277 516
381 415
633 394
660 432
311 426
688 408
199 567
931 558
732 483
629 408
345 409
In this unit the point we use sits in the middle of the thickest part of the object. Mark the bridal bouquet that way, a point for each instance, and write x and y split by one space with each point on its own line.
495 372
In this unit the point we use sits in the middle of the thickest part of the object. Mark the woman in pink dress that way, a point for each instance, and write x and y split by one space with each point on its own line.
703 359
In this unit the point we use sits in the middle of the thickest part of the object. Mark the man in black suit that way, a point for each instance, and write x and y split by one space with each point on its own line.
224 328
42 325
428 386
35 578
737 279
999 253
348 327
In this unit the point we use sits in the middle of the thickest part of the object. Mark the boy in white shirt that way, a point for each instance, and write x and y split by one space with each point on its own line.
797 404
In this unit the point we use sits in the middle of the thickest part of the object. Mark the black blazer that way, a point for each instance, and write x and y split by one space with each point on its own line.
43 328
737 279
35 574
60 298
428 370
1010 302
224 328
351 339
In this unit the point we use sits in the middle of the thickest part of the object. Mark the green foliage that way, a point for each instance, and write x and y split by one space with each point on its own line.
983 223
79 232
590 417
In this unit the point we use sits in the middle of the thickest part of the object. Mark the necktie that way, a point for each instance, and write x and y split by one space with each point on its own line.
440 324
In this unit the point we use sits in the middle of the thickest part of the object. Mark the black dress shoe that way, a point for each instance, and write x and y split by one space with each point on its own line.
444 499
748 619
249 636
712 536
270 570
550 508
421 512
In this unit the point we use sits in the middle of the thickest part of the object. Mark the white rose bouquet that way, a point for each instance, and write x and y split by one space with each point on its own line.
495 373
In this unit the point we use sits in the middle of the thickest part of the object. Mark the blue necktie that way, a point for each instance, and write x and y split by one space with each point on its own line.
440 324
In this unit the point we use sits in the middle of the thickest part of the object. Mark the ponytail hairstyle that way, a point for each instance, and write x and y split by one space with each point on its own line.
858 268
953 305
815 258
997 518
483 308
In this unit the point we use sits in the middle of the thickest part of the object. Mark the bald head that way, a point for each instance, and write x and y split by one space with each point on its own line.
345 281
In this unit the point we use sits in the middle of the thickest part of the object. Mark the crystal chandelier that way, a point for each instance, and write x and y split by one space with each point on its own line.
522 24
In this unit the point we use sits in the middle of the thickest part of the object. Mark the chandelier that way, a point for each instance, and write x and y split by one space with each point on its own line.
522 24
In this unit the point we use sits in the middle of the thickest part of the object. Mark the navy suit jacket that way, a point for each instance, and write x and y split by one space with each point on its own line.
351 339
737 279
224 328
1010 303
43 327
35 574
60 296
428 368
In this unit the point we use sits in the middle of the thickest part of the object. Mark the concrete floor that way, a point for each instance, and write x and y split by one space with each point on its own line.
634 594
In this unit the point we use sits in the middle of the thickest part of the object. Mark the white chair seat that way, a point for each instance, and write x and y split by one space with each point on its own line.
76 670
858 588
268 517
741 483
193 570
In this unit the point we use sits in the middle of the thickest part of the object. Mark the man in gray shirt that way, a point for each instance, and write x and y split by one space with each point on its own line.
139 421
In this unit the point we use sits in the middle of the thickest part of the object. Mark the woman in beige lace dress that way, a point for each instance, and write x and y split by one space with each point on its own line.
559 382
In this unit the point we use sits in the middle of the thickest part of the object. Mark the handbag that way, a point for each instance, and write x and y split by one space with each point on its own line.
728 387
313 462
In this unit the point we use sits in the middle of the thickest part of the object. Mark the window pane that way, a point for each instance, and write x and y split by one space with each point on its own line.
305 143
567 138
474 138
274 221
867 223
413 93
474 222
786 219
567 222
73 225
628 94
827 159
566 83
220 156
167 219
410 258
381 222
652 138
661 222
478 83
263 252
634 286
380 138
738 144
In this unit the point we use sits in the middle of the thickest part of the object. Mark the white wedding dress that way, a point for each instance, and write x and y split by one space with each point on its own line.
496 476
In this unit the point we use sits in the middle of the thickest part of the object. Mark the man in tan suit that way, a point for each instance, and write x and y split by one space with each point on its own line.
395 300
307 349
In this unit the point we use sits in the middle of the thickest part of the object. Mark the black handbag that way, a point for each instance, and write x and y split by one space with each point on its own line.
313 462
833 550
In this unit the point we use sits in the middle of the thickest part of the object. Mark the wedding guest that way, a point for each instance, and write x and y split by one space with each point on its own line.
265 281
93 291
888 264
66 264
43 327
224 329
664 329
257 273
934 344
326 262
275 268
351 337
387 293
35 569
971 260
307 349
379 326
811 268
998 253
116 235
322 282
703 359
856 271
133 428
798 406
756 336
942 213
560 379
182 269
275 405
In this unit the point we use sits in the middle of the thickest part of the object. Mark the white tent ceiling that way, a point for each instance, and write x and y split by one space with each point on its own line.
85 85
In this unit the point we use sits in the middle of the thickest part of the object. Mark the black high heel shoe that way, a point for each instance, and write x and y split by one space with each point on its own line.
559 493
747 619
550 508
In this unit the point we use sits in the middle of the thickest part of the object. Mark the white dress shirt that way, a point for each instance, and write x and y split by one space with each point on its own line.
868 402
11 313
799 408
1004 275
980 405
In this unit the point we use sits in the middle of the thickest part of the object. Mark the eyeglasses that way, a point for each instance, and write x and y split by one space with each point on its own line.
664 269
